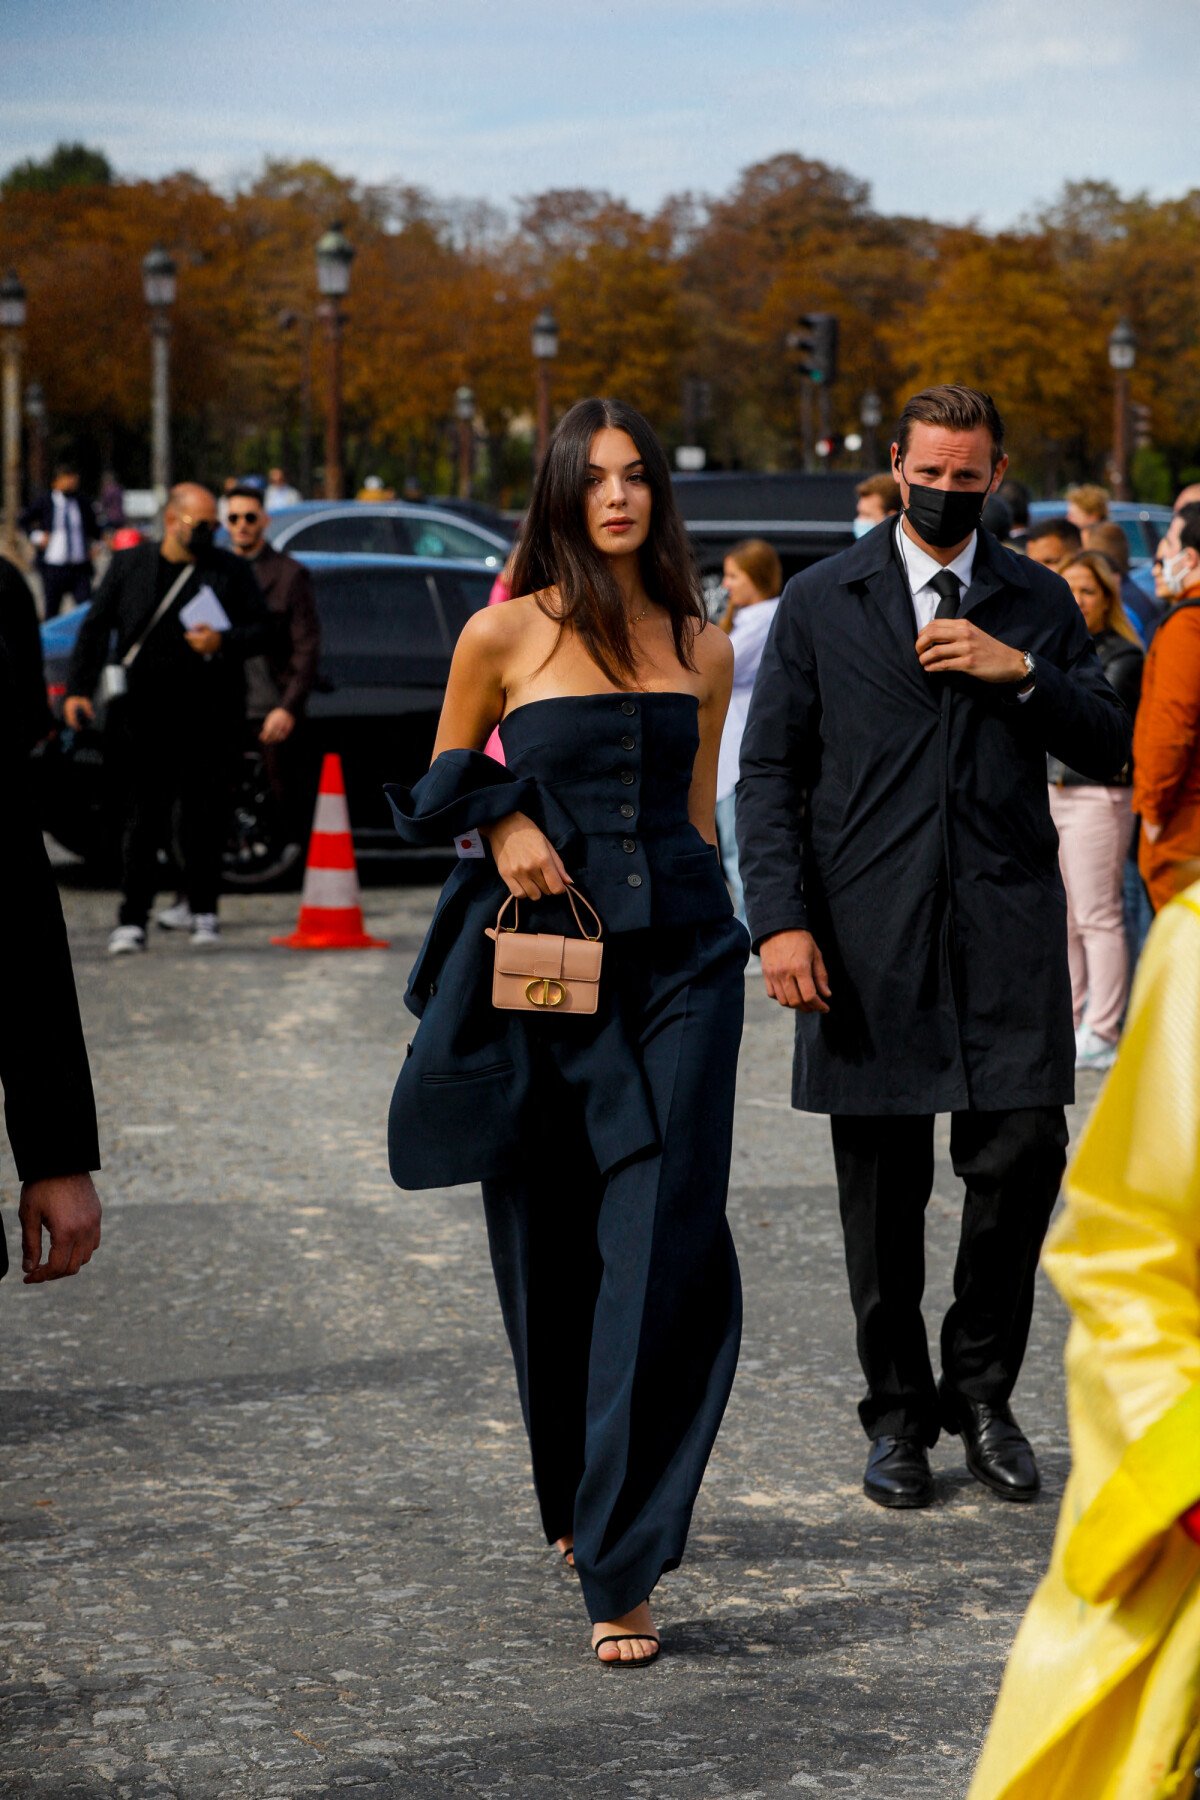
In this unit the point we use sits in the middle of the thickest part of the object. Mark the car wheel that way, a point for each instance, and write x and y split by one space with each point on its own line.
259 852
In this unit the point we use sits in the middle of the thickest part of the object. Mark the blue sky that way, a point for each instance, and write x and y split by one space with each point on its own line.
948 108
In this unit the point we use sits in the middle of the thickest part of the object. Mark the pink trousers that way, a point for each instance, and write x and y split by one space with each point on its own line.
1094 827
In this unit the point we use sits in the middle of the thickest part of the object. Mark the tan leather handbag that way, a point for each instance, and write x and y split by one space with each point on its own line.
538 972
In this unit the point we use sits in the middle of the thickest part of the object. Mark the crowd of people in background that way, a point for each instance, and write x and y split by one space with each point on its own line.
1126 845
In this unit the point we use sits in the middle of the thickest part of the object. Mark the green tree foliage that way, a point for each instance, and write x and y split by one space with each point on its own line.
67 166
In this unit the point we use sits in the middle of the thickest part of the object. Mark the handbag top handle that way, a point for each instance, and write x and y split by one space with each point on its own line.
573 894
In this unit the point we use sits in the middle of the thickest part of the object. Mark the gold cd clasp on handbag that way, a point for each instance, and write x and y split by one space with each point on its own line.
542 972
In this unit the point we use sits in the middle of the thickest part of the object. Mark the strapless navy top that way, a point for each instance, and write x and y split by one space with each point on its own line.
620 766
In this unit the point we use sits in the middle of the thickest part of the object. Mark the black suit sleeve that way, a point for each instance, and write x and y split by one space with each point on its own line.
21 638
91 646
249 631
1074 709
48 1104
779 759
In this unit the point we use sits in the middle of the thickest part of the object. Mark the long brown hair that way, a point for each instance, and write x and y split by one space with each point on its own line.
1115 617
555 549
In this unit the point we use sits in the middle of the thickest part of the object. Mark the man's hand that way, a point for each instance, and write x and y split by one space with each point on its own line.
794 971
277 726
525 858
947 646
78 710
68 1208
204 640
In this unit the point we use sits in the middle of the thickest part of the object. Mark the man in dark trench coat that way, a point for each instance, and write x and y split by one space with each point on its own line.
903 892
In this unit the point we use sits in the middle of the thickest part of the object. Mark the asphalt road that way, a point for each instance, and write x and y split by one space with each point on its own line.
266 1516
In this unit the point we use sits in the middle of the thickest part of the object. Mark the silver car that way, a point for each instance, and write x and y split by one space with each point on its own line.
384 528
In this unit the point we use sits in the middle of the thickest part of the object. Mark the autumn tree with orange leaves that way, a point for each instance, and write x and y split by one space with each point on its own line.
699 296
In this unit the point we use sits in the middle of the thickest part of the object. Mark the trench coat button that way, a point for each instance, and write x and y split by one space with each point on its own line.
628 708
629 845
627 809
432 989
628 743
628 777
634 880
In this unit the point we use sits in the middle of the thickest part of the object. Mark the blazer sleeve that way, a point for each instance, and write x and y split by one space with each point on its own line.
1074 709
778 764
49 1108
1168 725
304 637
91 646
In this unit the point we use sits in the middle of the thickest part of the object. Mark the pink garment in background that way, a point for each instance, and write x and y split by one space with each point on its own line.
1094 826
498 595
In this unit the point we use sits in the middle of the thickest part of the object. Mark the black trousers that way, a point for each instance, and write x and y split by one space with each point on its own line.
176 787
1012 1165
620 1293
61 579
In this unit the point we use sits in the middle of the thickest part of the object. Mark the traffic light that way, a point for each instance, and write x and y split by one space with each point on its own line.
813 346
1143 429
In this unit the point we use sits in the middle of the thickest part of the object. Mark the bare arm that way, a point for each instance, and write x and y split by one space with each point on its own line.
714 654
526 860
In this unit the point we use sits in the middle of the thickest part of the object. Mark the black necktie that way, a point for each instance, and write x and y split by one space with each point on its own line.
948 589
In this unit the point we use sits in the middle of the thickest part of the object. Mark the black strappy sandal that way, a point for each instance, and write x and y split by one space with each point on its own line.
567 1556
628 1662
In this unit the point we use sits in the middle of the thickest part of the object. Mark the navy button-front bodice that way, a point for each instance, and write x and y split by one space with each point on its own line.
620 766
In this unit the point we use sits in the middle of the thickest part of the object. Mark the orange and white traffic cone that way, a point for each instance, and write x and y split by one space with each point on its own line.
330 904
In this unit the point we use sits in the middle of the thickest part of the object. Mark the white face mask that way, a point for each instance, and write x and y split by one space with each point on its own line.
862 526
1175 572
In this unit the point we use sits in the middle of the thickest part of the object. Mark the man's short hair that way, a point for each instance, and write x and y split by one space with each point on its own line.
1111 542
1090 498
65 467
1061 528
1015 495
955 408
243 491
881 487
1189 526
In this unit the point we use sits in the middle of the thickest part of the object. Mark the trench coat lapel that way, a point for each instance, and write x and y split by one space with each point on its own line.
873 565
995 568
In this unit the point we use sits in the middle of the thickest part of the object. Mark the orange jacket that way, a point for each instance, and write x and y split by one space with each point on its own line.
1166 738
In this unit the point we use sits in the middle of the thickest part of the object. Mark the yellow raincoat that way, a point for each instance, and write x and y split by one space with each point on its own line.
1101 1697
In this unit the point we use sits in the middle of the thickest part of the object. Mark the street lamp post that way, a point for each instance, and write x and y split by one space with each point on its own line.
1122 354
35 412
464 412
335 253
544 343
870 412
12 323
158 285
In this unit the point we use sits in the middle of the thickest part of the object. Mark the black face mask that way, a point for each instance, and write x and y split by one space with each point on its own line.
943 516
200 539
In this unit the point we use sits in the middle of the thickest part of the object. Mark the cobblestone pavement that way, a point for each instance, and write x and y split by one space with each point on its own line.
267 1523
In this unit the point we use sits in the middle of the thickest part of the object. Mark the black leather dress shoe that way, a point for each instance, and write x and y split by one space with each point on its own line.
998 1452
898 1473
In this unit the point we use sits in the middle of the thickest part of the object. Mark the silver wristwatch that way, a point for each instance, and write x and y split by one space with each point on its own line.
1027 685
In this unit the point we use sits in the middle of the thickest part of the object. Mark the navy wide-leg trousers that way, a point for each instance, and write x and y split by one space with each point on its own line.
620 1291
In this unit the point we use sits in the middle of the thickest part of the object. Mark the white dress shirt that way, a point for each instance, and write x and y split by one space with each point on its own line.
751 625
921 568
66 543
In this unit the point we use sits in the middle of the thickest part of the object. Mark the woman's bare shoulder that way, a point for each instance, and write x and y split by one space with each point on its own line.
713 651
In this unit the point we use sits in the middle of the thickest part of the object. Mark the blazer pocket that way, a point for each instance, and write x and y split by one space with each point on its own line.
456 1077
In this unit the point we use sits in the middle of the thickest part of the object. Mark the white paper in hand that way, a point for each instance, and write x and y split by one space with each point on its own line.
204 609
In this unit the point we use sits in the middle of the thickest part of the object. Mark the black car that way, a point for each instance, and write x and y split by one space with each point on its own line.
388 628
804 517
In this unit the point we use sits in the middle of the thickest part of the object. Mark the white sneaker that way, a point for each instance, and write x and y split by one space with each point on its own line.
175 918
126 940
206 933
1092 1051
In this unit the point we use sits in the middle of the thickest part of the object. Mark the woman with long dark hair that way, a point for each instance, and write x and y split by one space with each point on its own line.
603 1141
